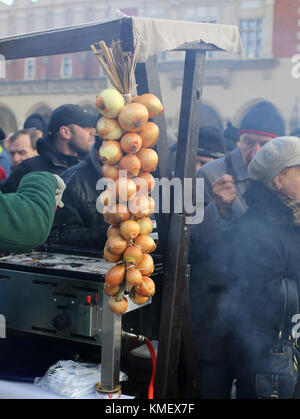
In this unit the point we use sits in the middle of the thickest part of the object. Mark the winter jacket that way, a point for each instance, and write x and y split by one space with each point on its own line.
265 250
205 282
48 160
79 223
27 216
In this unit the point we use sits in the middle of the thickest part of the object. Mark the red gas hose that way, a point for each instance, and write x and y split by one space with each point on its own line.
153 358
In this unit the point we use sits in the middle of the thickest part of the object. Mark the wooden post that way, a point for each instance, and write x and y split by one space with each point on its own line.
175 292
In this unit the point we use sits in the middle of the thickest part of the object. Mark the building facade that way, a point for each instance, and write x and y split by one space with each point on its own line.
268 68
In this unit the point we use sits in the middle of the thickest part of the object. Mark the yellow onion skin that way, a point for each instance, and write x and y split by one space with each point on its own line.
111 172
129 229
131 142
131 163
145 183
152 103
133 117
145 243
114 277
146 265
116 244
146 225
133 277
110 290
146 287
141 206
109 129
110 152
139 299
116 215
117 307
109 257
113 230
132 256
149 134
148 159
125 189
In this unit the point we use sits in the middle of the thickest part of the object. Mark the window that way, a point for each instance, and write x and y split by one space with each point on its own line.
204 14
251 31
66 67
29 69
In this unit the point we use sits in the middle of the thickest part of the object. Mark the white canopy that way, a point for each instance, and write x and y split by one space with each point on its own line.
156 35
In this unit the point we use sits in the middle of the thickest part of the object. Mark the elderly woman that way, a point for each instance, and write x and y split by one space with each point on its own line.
266 249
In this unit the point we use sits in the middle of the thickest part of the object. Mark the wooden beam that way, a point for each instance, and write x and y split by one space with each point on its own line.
175 285
67 40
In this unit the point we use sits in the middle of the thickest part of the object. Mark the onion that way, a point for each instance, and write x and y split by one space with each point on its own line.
111 172
118 307
113 230
133 277
107 198
116 214
141 206
131 163
146 225
116 245
139 299
145 182
129 229
132 255
152 103
110 152
131 142
109 257
125 189
148 158
133 117
146 266
149 134
146 287
110 290
109 102
145 243
109 129
114 277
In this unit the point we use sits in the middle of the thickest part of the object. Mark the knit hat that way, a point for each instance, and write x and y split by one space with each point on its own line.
263 119
231 135
35 121
67 115
274 157
211 142
2 134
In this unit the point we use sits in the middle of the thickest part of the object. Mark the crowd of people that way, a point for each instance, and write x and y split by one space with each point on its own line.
240 254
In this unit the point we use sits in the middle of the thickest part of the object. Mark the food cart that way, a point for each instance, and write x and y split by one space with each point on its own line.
154 36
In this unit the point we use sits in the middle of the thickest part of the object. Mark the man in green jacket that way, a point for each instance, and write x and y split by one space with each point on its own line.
26 216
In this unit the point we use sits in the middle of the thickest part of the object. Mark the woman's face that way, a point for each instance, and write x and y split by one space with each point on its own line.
289 183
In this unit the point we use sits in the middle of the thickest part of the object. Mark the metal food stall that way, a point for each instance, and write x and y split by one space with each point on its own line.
58 288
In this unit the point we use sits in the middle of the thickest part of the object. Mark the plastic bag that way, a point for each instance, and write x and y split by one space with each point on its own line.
72 379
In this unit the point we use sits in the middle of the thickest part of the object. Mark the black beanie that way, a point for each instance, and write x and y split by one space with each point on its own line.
211 142
263 119
35 121
2 134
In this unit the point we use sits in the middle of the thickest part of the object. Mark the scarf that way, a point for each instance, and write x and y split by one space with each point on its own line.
293 205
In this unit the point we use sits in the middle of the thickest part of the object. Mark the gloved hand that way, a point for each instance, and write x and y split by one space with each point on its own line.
61 186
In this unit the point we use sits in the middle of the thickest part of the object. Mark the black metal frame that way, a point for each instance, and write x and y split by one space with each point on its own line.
172 228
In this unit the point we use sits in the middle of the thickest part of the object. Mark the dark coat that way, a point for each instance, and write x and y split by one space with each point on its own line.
48 160
79 223
239 278
265 250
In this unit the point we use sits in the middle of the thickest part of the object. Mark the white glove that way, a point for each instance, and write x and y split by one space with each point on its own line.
61 186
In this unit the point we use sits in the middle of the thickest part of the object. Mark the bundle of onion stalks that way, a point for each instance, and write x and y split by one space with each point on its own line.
128 159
